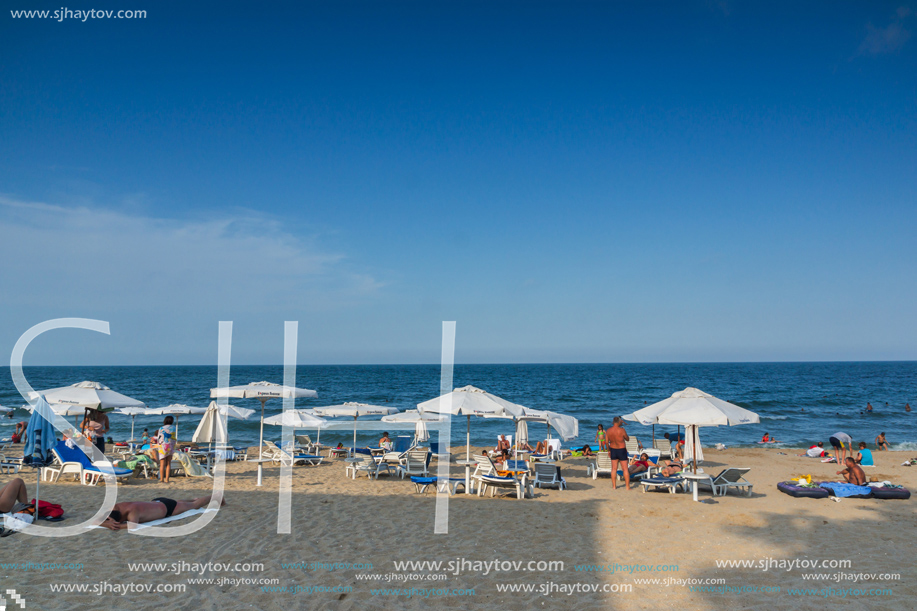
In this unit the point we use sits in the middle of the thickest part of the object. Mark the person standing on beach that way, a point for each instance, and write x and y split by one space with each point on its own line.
163 447
616 437
600 437
881 443
840 450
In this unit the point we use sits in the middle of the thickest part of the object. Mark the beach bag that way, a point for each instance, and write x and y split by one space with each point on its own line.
49 510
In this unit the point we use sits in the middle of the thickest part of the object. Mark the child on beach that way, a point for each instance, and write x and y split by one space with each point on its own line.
600 438
881 443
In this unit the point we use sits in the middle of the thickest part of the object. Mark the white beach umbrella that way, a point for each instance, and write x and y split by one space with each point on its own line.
263 391
87 394
133 412
213 426
420 419
175 409
693 407
471 401
64 410
354 410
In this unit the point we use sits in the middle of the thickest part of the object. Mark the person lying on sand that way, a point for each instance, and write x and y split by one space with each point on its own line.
139 512
586 450
853 474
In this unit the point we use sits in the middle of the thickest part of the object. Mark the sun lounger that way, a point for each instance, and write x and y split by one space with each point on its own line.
449 485
74 461
672 483
416 463
366 464
664 446
548 475
732 477
633 446
602 464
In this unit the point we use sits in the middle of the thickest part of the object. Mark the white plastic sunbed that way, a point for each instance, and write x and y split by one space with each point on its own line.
732 477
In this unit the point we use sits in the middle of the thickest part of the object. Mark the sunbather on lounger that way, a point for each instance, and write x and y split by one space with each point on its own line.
672 468
139 512
502 444
542 447
639 465
853 474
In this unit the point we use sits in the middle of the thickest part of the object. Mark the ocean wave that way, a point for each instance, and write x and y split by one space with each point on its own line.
765 417
910 446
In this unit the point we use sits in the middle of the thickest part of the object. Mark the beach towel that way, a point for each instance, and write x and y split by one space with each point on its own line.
40 428
844 490
181 516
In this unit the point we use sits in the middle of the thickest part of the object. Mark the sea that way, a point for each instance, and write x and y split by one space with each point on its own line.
799 403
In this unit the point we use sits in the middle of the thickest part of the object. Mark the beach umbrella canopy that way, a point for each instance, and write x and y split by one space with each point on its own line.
175 409
263 391
354 410
133 412
88 394
567 427
693 408
471 401
420 419
295 419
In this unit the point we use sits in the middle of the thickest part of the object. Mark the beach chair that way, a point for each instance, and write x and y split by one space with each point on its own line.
366 464
449 485
548 475
416 463
664 447
633 446
10 465
653 457
601 465
495 480
732 477
191 467
672 483
74 461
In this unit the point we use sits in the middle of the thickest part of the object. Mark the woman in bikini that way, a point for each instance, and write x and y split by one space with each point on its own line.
600 438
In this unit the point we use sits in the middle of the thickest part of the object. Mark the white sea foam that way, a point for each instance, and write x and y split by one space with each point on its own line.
909 446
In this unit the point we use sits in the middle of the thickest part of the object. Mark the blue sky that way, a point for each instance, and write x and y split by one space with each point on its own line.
598 182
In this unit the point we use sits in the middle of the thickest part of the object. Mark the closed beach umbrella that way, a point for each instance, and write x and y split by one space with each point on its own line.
176 409
213 427
471 401
263 391
694 408
87 394
354 410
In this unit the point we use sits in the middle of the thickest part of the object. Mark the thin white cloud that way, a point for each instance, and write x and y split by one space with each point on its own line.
888 39
117 261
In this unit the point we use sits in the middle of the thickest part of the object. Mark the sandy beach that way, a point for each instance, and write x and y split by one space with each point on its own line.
347 536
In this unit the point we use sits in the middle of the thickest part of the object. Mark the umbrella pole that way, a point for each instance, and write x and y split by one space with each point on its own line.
354 437
694 450
132 427
261 445
468 439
